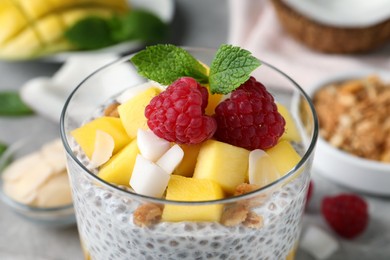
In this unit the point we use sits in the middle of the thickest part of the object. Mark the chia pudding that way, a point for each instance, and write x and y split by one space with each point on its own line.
106 228
106 212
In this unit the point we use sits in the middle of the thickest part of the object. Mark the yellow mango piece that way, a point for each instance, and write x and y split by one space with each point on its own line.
23 45
85 135
189 189
283 156
49 29
132 113
70 17
35 8
291 132
119 168
12 19
223 163
187 164
213 101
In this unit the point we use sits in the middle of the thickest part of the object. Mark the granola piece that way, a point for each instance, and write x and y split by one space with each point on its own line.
147 215
245 188
353 116
112 110
254 201
253 220
234 215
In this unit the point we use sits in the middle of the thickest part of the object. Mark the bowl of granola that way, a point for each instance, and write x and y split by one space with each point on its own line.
354 144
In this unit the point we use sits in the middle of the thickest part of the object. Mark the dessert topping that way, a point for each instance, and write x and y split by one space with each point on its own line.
177 114
249 118
362 124
147 215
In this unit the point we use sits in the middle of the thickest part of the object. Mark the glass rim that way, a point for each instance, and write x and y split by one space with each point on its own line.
304 158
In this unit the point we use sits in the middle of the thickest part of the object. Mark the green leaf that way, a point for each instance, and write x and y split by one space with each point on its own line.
166 63
139 25
90 33
12 105
3 147
230 68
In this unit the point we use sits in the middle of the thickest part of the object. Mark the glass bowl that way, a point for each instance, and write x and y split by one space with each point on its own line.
111 219
61 216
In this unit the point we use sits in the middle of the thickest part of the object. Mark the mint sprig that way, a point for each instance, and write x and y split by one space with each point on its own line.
230 68
166 63
12 105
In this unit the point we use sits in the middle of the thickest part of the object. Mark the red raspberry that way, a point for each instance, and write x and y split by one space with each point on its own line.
177 114
249 118
346 214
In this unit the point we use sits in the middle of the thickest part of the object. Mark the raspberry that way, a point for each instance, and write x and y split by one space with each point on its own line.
346 214
177 114
249 118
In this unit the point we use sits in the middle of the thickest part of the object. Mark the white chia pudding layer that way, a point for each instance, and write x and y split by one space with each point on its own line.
107 231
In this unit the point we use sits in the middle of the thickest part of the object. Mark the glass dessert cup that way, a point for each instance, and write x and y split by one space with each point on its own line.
105 212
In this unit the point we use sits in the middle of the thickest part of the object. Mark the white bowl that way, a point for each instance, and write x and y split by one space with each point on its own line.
362 175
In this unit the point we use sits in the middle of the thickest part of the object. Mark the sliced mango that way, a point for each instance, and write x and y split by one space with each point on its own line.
187 165
85 135
223 163
189 189
47 21
283 156
49 29
120 167
132 113
24 44
291 132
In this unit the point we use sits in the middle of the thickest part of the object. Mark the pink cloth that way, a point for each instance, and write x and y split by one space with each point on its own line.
255 27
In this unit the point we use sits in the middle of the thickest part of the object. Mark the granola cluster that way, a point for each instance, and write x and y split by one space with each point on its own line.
354 116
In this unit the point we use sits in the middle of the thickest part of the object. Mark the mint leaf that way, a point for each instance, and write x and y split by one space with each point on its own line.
230 68
12 105
166 63
3 147
138 24
90 33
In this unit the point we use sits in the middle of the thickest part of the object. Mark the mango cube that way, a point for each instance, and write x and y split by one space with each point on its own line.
189 189
223 163
187 164
291 132
120 167
213 101
85 135
283 156
132 113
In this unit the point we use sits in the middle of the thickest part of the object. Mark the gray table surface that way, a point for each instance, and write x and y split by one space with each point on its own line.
200 23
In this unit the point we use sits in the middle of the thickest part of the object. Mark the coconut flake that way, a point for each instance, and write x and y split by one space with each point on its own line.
318 243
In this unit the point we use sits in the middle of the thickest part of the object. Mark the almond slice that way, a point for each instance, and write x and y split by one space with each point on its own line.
54 154
55 192
104 146
20 167
261 169
34 176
